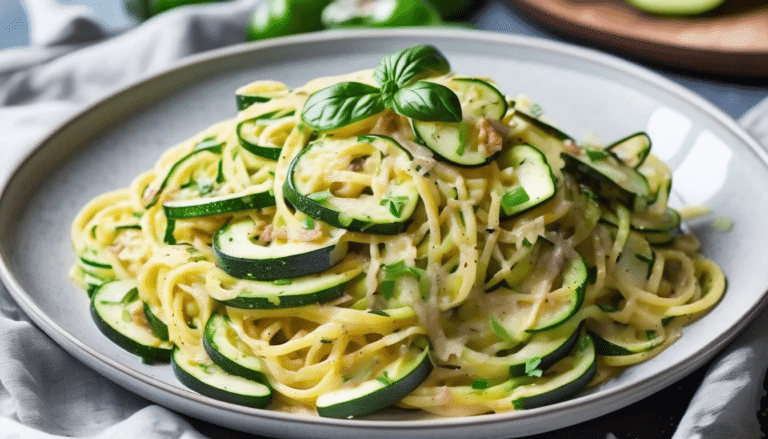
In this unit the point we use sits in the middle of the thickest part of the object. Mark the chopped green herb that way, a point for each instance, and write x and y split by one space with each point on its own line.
130 296
532 367
463 137
536 110
325 340
378 312
514 198
320 197
396 204
385 379
596 154
527 243
395 271
480 384
651 334
308 223
500 331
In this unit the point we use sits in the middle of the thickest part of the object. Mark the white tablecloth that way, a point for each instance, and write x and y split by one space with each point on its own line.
73 61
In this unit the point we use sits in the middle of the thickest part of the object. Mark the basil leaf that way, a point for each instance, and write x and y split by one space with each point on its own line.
428 102
340 105
400 68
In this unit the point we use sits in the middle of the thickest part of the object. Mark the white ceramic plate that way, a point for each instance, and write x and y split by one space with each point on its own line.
714 161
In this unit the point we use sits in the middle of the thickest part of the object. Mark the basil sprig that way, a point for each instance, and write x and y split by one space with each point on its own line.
427 101
341 104
399 69
399 74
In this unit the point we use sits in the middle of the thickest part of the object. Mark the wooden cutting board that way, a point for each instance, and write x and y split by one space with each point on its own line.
731 40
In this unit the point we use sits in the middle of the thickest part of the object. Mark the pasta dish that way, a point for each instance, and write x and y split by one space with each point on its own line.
403 235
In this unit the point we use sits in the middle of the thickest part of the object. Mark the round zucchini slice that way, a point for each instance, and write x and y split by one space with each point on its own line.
159 328
613 339
240 256
560 381
294 292
228 352
608 176
393 383
117 311
657 230
258 92
632 150
216 205
365 185
528 177
473 141
546 348
211 380
264 135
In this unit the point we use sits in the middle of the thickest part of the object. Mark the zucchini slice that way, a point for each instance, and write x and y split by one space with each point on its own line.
608 177
617 340
657 230
548 129
575 274
216 205
372 202
577 371
533 181
555 311
159 328
632 150
211 380
392 384
258 92
113 307
459 142
295 292
239 256
636 261
548 347
209 144
228 352
264 135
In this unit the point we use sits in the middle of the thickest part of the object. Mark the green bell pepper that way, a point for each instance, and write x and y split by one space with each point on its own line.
380 13
277 18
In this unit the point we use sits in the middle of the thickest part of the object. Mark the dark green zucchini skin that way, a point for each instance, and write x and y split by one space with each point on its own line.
278 268
217 323
198 384
269 267
211 206
383 397
334 217
586 368
121 337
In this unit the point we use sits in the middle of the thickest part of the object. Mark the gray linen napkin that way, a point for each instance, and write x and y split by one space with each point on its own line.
44 392
74 61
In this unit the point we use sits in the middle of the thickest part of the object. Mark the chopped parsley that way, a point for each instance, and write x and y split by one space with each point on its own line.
532 367
514 198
